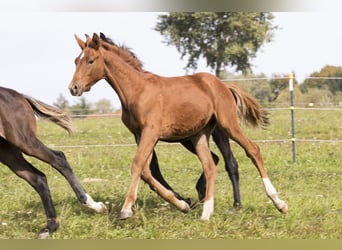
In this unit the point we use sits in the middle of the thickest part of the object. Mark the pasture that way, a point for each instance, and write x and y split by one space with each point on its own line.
311 186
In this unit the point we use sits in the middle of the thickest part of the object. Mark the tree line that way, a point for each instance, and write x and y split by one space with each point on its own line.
84 107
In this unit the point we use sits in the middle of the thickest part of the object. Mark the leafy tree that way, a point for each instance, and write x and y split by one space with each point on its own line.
61 102
334 85
103 106
222 38
81 108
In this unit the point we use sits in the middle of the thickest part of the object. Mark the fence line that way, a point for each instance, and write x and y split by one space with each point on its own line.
119 145
282 77
118 115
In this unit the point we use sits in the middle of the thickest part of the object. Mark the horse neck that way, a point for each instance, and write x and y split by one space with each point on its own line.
122 77
127 56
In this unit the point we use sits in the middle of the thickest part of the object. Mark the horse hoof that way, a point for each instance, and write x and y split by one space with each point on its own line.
237 206
102 208
284 209
125 214
205 218
185 207
44 234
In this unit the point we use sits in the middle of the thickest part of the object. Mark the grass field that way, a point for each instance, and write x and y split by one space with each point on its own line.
312 186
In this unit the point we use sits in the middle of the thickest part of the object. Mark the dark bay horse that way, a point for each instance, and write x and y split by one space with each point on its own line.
18 135
171 109
219 138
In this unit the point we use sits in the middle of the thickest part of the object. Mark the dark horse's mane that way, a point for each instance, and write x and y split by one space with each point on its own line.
125 53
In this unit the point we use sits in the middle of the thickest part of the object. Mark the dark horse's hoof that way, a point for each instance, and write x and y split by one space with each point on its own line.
237 206
44 233
189 201
51 226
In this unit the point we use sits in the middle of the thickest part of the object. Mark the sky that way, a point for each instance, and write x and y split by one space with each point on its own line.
38 48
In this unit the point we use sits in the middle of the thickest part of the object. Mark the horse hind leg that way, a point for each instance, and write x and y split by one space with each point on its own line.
204 154
13 158
252 150
201 182
231 164
59 162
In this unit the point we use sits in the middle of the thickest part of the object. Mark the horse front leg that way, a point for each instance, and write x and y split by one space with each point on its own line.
157 175
144 152
140 169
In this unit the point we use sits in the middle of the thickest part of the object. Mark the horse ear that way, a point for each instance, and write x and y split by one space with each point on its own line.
80 42
95 41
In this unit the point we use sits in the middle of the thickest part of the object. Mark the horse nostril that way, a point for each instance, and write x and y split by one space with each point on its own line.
73 89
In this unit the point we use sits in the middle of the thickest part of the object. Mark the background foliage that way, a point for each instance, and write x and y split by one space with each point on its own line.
222 38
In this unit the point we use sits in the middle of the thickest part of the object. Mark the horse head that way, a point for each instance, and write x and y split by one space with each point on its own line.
90 67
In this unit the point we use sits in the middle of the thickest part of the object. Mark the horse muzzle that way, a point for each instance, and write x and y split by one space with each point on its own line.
75 89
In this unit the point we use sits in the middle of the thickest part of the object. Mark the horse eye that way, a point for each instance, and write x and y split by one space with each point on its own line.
90 61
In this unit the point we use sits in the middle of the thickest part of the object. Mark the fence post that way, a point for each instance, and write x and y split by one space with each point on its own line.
293 139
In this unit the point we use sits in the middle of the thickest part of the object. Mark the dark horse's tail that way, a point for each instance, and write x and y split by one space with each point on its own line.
51 113
249 110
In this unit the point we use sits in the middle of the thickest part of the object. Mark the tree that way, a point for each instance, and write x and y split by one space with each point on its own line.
61 102
334 85
82 108
103 106
222 38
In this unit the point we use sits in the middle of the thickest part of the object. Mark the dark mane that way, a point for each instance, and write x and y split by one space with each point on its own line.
125 53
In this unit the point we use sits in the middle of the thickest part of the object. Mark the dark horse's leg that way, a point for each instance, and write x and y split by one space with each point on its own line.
13 158
230 164
155 171
34 147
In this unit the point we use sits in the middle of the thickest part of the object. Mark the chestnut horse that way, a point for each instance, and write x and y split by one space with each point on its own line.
219 138
171 109
18 135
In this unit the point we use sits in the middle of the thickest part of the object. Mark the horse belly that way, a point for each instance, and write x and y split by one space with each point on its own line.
185 121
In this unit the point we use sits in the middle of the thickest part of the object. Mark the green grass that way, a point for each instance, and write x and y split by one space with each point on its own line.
312 186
